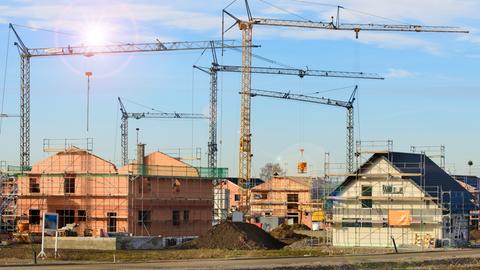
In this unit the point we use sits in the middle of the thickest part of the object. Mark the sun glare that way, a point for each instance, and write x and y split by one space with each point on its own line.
96 35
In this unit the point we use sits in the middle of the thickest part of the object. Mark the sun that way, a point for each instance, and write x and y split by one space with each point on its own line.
96 34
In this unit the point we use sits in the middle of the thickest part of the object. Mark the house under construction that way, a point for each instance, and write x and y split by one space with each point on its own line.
155 195
283 197
402 199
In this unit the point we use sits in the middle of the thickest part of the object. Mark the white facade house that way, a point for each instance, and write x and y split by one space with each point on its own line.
400 198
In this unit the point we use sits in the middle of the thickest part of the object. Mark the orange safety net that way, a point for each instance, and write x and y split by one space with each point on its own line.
399 217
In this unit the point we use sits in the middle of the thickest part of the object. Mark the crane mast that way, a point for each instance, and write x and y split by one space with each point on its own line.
212 141
245 153
246 27
126 115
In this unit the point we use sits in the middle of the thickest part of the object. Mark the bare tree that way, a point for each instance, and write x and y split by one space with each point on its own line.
270 170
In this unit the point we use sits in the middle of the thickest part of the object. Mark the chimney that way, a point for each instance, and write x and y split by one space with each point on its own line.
140 157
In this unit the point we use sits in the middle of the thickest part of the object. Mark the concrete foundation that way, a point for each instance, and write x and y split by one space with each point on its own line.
92 243
118 243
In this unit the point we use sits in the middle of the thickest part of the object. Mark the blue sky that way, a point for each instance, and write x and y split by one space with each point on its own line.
430 95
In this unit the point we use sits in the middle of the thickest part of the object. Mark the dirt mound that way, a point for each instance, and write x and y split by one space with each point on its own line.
285 231
236 235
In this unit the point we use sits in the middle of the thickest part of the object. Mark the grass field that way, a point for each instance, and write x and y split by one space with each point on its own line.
23 254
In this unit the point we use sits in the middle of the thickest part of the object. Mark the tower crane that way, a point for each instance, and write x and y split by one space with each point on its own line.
126 115
323 101
215 68
88 51
246 27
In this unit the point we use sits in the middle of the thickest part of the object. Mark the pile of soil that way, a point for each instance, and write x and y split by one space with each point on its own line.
285 231
236 235
307 243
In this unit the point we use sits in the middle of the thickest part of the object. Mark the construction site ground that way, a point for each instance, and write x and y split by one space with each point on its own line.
21 256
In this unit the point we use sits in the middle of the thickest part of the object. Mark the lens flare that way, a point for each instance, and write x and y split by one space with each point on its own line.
96 35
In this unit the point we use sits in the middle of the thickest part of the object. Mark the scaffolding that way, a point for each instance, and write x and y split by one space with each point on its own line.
59 145
8 195
364 212
434 152
137 199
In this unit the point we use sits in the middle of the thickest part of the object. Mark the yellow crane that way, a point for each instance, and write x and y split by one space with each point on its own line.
246 27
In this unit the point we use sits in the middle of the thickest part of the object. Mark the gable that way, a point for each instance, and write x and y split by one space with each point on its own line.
432 179
377 174
282 183
73 161
160 159
160 164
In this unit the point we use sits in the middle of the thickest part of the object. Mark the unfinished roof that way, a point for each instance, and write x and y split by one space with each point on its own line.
433 175
161 159
74 160
471 180
468 187
161 164
285 183
254 181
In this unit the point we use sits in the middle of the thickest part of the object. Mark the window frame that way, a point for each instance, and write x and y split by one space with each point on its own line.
295 198
366 203
34 185
112 216
175 217
186 216
367 191
261 196
393 189
31 217
144 217
68 188
82 215
65 216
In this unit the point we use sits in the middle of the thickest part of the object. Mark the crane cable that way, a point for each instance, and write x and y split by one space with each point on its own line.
5 78
144 106
45 30
117 119
266 59
330 5
284 10
192 108
331 90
